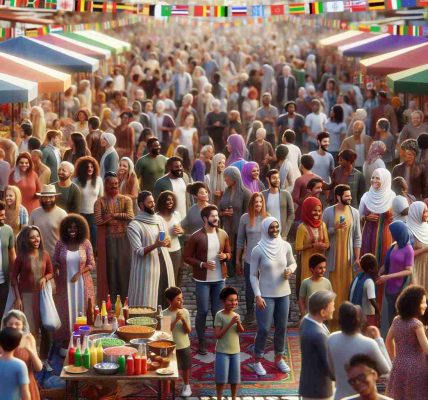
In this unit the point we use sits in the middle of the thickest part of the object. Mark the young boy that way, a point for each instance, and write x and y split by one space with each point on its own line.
317 282
363 290
13 372
180 328
227 325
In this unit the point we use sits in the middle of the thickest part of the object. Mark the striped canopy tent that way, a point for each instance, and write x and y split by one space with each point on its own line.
383 44
49 55
16 90
106 39
113 49
49 80
395 61
373 38
76 46
413 80
344 38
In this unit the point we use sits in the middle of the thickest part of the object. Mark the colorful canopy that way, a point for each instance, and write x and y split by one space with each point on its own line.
106 39
49 79
15 90
396 61
372 38
96 43
414 80
74 45
385 44
344 38
49 55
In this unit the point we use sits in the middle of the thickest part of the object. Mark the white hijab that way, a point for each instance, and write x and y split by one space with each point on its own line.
399 204
273 248
414 221
380 200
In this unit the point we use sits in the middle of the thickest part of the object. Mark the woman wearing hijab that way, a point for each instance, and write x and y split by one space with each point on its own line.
271 265
236 148
110 159
215 179
398 266
250 177
376 215
401 203
233 204
128 181
418 227
374 160
312 235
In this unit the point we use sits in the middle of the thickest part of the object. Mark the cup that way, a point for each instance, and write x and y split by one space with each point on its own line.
162 236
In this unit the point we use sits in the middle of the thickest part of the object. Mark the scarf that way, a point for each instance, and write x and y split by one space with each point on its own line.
232 194
270 246
379 201
216 179
237 148
124 181
308 205
357 295
414 221
251 184
376 150
111 140
399 204
147 218
400 233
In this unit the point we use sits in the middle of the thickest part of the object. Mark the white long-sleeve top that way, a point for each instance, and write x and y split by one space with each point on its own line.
267 276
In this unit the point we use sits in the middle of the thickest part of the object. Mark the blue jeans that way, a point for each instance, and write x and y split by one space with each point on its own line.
249 293
227 368
276 311
206 291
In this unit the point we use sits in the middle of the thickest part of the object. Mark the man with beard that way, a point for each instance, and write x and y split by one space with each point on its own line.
70 192
150 167
152 271
323 161
207 251
344 232
7 256
279 203
48 217
176 181
112 212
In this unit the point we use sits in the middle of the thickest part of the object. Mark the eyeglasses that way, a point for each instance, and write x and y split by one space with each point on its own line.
361 378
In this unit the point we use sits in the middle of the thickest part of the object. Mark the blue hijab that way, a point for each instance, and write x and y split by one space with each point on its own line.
400 233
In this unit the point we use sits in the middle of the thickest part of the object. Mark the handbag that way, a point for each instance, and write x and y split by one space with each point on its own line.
48 312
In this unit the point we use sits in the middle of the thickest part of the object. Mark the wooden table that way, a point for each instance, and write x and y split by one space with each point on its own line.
74 379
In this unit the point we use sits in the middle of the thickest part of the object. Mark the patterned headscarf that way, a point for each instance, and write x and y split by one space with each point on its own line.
377 149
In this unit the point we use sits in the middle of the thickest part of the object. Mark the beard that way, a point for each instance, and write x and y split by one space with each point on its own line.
1 222
48 206
155 152
150 211
213 225
346 202
324 148
177 174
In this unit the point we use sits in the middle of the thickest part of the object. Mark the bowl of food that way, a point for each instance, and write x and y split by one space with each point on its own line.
143 321
110 342
142 311
111 354
159 346
136 342
129 332
96 336
106 368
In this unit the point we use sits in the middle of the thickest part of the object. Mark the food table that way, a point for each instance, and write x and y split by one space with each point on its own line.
74 379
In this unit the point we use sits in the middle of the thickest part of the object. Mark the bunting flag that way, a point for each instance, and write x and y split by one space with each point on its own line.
220 11
376 5
297 8
258 11
355 5
148 10
127 8
423 3
408 3
166 11
180 10
278 9
316 8
333 6
202 11
394 4
239 11
32 4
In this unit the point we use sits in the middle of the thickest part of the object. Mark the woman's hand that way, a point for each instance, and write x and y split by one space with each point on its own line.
238 269
381 280
222 256
17 304
75 277
321 246
177 230
373 217
287 273
260 303
27 342
42 282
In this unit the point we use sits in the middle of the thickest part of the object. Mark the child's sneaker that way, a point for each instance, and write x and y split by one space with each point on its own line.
283 366
258 368
186 391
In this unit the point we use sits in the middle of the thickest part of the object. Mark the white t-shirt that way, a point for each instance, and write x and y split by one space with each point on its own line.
174 221
212 255
179 189
369 292
273 206
316 123
294 156
90 194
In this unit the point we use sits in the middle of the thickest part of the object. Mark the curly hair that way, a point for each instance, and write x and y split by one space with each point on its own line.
161 203
81 224
27 156
409 302
81 171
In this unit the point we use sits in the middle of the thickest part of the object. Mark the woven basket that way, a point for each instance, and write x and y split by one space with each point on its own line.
52 394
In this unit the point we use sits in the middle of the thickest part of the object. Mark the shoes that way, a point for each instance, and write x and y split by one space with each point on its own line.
47 366
202 349
283 366
249 318
186 391
259 370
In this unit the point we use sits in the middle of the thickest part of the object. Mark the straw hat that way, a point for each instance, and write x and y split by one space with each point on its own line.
48 190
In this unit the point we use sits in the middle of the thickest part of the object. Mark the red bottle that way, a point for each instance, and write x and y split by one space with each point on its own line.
137 365
143 365
108 304
96 312
71 352
130 365
126 302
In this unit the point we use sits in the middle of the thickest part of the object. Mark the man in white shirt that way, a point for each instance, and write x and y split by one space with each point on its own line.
294 154
323 161
314 123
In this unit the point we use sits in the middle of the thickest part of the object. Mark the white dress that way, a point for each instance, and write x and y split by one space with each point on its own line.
186 139
75 291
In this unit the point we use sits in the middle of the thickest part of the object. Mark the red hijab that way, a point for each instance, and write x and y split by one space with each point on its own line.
308 205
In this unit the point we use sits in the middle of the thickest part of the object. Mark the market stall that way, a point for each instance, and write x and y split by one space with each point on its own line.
16 90
344 38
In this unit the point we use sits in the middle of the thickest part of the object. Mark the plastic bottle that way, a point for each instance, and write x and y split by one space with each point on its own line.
118 306
130 365
98 321
143 354
122 363
104 309
137 365
100 353
126 302
87 358
121 319
114 324
78 355
90 312
96 311
108 304
71 351
93 354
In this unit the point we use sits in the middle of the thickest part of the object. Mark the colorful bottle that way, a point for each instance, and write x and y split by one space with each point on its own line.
104 309
78 355
100 353
71 351
126 302
118 306
130 365
114 324
121 319
96 311
87 358
90 312
137 365
108 305
122 363
143 354
93 354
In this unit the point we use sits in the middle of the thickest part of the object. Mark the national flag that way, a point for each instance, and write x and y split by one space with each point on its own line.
18 3
297 8
393 4
180 10
56 28
32 4
423 3
278 9
239 11
220 11
148 10
333 6
202 11
127 8
376 5
403 30
258 11
393 29
355 5
32 32
50 4
166 11
408 3
415 30
375 29
5 33
316 8
81 5
101 6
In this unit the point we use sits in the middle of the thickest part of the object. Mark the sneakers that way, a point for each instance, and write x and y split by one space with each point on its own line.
47 366
283 366
202 348
259 370
186 391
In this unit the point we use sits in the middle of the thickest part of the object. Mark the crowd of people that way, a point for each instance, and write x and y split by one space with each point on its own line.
253 157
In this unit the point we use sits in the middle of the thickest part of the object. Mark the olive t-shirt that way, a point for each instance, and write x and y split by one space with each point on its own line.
229 343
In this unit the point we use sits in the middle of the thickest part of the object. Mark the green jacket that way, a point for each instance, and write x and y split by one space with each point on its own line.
164 183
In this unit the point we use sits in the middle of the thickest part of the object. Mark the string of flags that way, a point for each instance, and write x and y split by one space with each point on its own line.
162 10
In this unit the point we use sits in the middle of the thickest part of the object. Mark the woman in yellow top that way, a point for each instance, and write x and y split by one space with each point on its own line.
311 237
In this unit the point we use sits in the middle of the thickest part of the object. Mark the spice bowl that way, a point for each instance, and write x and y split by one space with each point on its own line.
106 368
129 332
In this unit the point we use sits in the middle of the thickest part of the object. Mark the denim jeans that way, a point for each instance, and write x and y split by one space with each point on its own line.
276 311
249 294
206 291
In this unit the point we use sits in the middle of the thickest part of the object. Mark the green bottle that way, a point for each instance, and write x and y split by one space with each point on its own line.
78 358
122 363
87 358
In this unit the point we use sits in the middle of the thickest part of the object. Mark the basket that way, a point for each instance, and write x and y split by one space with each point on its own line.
157 350
143 321
127 336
